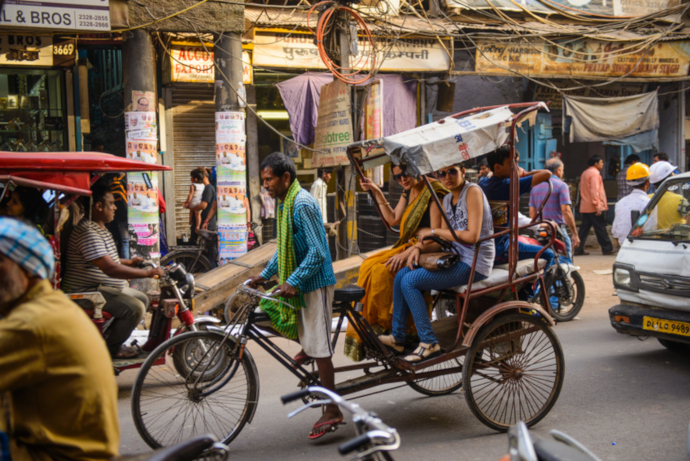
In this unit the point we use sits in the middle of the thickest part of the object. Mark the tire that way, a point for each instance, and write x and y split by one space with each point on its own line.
497 388
442 384
167 407
186 356
568 310
195 263
675 346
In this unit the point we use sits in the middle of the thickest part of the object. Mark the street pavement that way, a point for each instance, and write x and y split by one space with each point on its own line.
623 398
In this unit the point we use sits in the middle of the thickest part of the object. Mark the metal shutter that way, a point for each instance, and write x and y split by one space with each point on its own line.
194 138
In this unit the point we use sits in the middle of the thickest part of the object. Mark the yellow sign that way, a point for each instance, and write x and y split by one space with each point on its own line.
670 327
546 93
584 57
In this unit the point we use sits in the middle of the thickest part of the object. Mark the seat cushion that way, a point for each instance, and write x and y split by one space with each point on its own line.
499 275
348 294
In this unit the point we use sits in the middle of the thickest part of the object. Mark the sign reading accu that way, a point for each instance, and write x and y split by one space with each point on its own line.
194 63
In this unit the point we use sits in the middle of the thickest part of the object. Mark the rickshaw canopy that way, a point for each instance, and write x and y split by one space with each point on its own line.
68 172
446 142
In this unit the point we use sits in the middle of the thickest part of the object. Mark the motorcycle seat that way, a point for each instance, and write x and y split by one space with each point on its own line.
349 294
106 315
499 275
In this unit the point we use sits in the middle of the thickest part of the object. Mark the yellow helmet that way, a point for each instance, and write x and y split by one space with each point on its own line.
637 174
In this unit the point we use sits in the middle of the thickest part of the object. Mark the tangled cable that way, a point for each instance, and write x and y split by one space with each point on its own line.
328 43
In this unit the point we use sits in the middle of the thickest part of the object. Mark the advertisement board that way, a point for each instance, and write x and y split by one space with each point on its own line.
193 63
86 15
333 126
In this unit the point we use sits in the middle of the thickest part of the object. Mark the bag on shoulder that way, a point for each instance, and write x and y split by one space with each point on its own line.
438 261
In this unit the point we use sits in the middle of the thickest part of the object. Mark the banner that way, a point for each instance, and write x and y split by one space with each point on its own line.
231 185
583 58
608 8
141 132
299 51
333 126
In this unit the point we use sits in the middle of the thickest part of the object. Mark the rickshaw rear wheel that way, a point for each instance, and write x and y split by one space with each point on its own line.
514 371
442 384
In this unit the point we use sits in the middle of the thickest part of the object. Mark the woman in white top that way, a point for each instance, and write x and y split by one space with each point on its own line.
469 213
196 189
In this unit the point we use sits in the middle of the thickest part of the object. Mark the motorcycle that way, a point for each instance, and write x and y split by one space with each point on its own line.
564 283
523 446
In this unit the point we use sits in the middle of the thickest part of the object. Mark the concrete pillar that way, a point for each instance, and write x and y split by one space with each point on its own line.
141 131
231 158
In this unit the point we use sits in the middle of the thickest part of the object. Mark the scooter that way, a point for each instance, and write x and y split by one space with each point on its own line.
563 280
176 299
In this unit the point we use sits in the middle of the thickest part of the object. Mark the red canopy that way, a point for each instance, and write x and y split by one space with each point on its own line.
68 171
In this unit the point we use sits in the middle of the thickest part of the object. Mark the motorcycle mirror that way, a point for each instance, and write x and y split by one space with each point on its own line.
147 181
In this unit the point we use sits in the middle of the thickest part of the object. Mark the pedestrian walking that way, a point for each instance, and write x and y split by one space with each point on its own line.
624 189
637 177
593 205
559 206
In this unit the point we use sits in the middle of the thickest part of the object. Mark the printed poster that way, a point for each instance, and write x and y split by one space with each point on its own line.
231 185
333 126
373 125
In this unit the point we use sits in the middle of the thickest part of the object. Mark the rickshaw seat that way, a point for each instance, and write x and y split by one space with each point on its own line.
349 294
499 275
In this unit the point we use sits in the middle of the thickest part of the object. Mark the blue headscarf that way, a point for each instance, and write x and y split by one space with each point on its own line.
25 245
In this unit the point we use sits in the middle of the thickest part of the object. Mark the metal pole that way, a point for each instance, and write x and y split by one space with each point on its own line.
141 131
231 171
347 228
253 173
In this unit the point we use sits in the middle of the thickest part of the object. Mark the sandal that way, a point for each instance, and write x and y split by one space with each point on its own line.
391 342
127 352
423 352
332 427
300 359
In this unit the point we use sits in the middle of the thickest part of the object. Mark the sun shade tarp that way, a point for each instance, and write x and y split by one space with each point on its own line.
611 119
449 141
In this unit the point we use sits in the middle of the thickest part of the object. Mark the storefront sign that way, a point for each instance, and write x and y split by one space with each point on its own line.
584 57
65 53
26 50
191 62
608 8
57 14
545 93
299 51
231 190
333 126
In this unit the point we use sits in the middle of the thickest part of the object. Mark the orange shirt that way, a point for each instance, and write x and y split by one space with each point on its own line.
592 193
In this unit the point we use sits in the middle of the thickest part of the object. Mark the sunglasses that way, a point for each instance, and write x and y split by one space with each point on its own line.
453 172
400 176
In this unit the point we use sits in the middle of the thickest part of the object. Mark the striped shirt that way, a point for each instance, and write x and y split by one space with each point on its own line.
87 243
559 196
315 269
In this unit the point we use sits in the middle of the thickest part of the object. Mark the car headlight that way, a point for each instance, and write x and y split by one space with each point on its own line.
621 276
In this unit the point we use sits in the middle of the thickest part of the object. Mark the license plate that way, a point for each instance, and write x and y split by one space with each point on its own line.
671 327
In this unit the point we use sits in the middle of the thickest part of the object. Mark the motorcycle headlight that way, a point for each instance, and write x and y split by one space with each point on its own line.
621 276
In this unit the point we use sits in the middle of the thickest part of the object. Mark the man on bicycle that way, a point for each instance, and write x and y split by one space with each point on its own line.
58 395
305 273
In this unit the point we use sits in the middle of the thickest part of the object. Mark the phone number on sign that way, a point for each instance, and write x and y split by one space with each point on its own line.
94 24
93 17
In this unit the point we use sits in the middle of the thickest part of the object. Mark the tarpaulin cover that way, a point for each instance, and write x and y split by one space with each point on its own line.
649 140
449 141
610 119
301 99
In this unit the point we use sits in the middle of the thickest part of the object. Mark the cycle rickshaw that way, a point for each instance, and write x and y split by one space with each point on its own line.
500 350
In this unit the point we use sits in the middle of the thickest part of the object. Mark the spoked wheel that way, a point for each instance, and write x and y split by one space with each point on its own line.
513 372
442 384
211 392
569 289
195 263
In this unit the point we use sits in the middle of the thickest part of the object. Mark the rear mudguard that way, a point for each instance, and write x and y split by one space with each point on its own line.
510 306
200 320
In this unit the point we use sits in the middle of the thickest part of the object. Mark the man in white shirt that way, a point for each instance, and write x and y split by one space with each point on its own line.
319 191
637 177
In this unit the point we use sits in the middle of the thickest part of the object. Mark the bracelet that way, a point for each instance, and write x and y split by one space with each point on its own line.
384 204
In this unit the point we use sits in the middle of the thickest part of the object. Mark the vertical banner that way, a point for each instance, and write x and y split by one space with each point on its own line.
373 124
141 133
231 173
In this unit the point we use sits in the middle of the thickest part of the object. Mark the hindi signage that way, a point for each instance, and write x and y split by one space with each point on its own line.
333 126
584 58
614 8
87 15
299 51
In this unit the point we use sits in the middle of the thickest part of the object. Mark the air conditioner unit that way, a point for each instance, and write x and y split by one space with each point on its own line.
377 7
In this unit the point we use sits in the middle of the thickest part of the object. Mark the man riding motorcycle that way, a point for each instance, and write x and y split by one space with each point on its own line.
93 264
58 396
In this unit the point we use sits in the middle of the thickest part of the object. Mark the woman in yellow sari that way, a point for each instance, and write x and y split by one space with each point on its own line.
416 211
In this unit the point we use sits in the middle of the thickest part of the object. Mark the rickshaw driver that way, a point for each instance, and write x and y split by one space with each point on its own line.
93 264
312 278
497 187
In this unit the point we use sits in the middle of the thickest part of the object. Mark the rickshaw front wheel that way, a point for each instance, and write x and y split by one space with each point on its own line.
514 371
